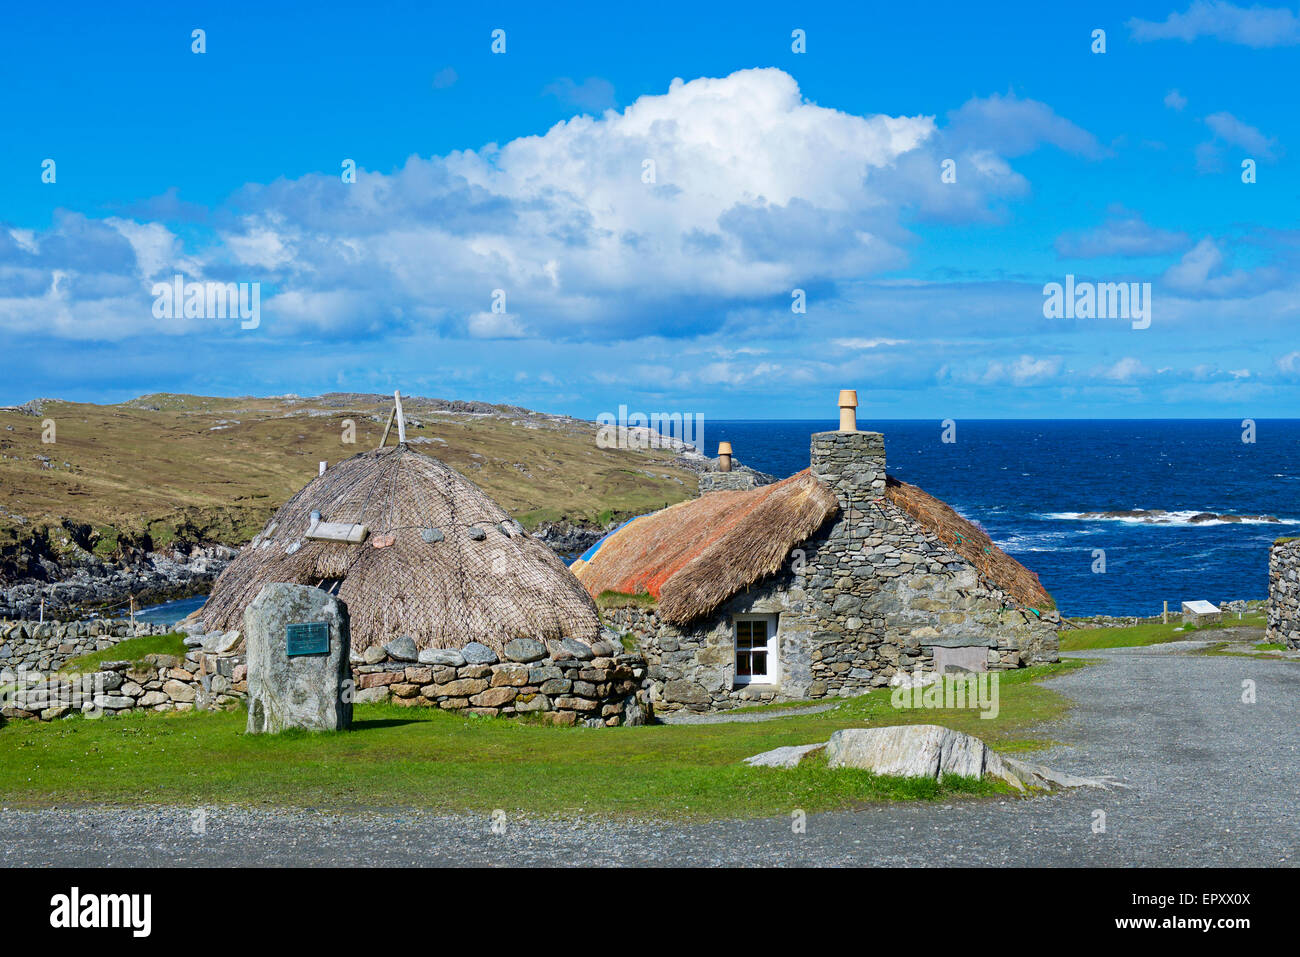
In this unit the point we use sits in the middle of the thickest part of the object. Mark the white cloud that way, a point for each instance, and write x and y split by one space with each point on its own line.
1126 370
1175 100
1255 26
1236 133
1123 234
1025 370
495 325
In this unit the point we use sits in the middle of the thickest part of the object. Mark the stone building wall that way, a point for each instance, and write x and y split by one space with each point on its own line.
870 594
49 645
1284 593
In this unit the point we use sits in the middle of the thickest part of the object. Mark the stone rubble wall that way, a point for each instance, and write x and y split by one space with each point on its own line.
870 594
49 645
596 685
1284 594
159 683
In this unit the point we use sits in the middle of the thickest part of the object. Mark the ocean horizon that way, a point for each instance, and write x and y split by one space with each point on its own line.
1037 485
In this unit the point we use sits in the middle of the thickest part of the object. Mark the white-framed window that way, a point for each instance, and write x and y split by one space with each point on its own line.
755 649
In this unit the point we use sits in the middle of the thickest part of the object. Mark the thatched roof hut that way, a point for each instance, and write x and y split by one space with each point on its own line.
695 555
439 560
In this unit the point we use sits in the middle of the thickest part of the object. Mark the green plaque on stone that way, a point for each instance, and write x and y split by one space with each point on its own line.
307 638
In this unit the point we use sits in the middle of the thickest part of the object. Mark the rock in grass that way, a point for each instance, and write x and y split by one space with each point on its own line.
787 757
303 691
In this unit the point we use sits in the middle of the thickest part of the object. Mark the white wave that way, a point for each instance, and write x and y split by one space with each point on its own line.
1181 519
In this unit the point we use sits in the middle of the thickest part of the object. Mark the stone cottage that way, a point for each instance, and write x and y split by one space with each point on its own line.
1284 593
827 583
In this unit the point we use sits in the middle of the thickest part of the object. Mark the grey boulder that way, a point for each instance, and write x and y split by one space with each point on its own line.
304 691
476 653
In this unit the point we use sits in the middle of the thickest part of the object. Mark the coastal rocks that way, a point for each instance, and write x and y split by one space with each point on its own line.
1159 516
300 691
71 579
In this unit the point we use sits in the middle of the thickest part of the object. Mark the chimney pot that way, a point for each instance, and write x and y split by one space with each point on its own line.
724 456
848 410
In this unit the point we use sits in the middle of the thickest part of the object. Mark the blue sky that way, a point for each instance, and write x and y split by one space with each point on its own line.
525 172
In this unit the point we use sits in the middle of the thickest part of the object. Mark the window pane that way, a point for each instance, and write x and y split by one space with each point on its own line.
759 632
759 665
742 664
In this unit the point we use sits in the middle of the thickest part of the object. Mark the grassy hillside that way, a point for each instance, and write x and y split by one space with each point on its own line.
213 469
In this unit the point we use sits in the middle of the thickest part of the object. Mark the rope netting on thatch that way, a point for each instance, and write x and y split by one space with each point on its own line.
695 555
458 569
970 542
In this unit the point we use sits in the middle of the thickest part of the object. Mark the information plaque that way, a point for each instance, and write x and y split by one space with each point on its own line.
307 638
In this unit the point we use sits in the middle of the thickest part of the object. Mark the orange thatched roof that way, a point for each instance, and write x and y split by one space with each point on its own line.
695 555
970 542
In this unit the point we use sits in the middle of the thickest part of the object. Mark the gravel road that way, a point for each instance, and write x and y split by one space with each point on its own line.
1213 781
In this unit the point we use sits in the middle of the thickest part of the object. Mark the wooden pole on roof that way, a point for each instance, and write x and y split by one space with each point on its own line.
384 440
401 419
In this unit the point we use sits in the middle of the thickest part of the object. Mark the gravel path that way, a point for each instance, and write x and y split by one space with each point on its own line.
1213 781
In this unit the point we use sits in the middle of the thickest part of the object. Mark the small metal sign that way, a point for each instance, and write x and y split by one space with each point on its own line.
307 638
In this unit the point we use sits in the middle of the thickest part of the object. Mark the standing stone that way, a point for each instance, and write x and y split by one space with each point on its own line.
305 691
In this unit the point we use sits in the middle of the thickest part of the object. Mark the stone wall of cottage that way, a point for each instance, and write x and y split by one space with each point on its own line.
1284 594
49 645
870 594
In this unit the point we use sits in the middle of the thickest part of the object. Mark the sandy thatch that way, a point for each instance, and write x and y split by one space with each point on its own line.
695 555
457 569
970 542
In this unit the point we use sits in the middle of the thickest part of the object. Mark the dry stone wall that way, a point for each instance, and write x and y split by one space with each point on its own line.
1284 593
49 645
595 685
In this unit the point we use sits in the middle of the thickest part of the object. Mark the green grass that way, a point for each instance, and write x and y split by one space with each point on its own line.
1270 646
129 649
618 599
1087 639
423 758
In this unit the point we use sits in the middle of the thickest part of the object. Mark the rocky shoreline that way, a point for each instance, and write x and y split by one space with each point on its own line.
88 584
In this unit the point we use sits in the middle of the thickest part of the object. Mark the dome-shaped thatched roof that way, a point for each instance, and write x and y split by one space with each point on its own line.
442 563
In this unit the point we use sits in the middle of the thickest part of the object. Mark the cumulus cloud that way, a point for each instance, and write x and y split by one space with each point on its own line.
1175 100
1012 127
676 215
1123 234
1024 370
1202 271
1254 26
1125 371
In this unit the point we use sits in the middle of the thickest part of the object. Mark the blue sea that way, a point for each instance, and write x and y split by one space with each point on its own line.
1027 483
